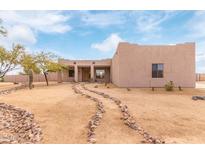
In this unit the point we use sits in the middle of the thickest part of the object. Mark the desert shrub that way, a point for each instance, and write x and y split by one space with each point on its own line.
180 88
128 89
169 86
1 79
152 88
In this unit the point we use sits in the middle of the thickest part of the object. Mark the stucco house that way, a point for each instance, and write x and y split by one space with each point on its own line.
136 65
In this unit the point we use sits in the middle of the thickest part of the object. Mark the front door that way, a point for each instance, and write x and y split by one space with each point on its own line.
85 74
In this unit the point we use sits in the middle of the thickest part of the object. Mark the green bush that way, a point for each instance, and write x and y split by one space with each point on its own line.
1 79
169 86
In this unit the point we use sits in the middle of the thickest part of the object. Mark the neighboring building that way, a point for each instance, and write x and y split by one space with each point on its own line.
138 66
200 77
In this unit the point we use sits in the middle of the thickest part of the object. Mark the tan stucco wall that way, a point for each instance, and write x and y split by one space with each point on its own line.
103 62
52 76
115 68
107 77
132 66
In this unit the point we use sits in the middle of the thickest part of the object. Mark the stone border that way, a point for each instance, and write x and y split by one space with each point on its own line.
195 98
95 120
8 91
128 119
24 86
18 126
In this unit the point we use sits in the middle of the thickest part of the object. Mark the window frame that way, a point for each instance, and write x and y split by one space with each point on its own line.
97 77
73 73
158 73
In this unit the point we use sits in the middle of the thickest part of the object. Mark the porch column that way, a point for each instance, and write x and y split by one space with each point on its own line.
92 72
76 73
59 76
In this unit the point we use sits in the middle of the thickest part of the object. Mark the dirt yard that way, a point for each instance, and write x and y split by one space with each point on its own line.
64 115
173 116
7 85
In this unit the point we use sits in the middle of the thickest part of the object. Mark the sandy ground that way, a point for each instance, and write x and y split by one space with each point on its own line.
62 115
7 85
172 116
112 129
200 85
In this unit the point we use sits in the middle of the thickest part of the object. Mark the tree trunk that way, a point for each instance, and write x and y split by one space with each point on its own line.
46 78
30 80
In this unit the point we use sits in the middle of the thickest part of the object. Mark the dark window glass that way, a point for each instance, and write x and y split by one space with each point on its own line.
71 72
157 70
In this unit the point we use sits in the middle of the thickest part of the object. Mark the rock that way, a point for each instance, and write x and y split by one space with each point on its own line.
195 98
144 141
118 102
92 140
127 119
18 125
88 96
198 97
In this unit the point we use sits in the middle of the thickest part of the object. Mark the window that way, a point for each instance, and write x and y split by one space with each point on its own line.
157 70
100 74
71 72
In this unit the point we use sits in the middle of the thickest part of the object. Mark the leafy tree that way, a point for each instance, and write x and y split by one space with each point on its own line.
9 60
2 29
29 65
46 62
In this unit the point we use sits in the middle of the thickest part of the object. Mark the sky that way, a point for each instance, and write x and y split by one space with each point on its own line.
96 34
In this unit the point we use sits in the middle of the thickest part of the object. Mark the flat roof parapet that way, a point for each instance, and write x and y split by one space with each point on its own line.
127 43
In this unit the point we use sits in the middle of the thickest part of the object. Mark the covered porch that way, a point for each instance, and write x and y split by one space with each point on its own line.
92 73
86 70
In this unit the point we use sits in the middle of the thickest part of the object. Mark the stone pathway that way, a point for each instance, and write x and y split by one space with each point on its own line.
110 126
10 90
198 98
127 118
18 126
95 119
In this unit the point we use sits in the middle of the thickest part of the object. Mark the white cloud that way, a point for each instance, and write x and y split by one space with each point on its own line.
200 56
196 25
24 26
144 21
103 19
21 33
44 21
148 21
196 32
109 44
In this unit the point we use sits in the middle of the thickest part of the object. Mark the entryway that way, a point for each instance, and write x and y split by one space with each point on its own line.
84 74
